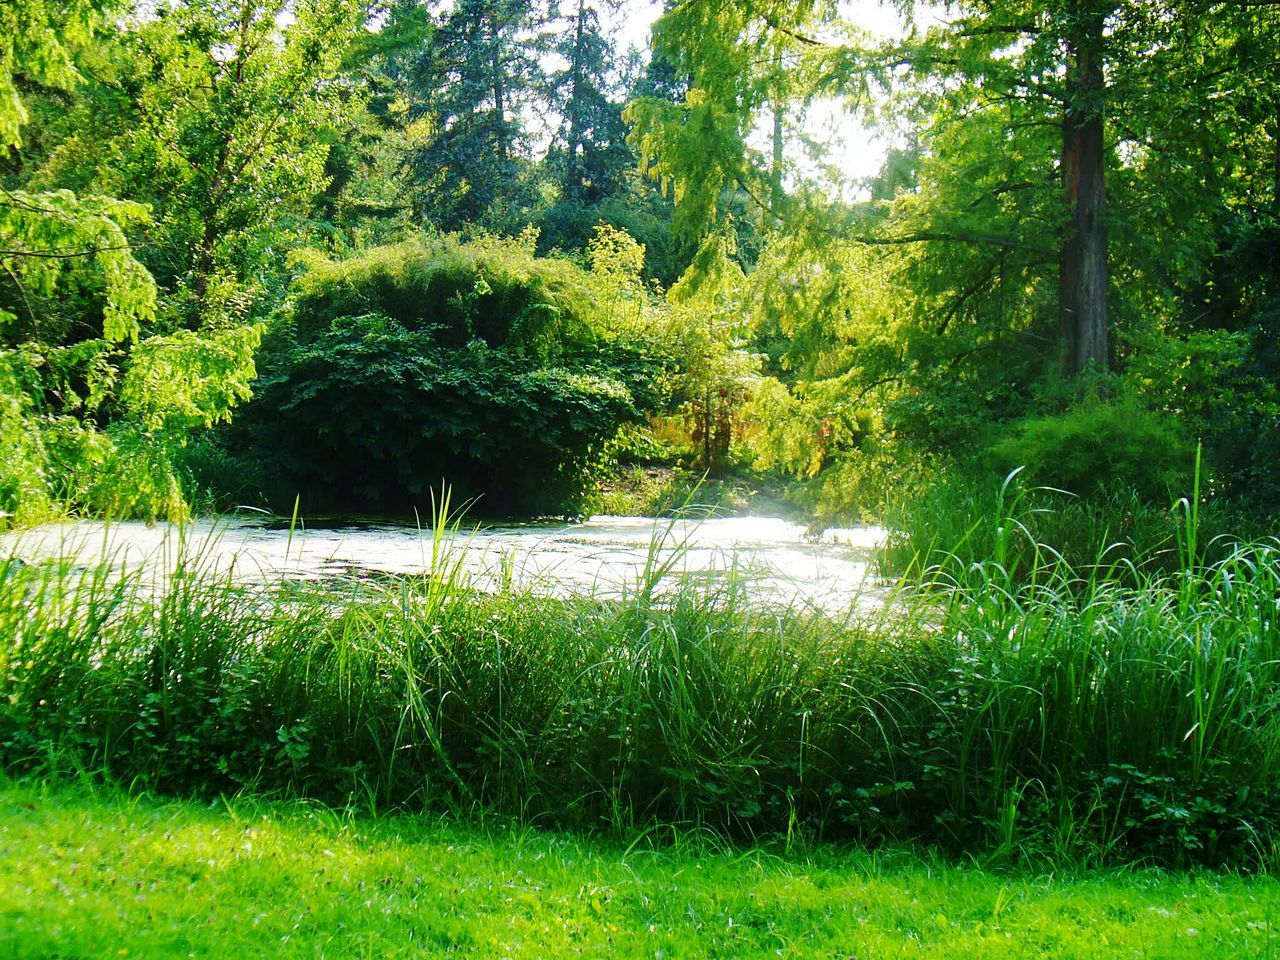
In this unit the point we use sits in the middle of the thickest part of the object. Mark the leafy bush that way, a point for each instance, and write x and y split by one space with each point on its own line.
123 473
95 427
1096 446
24 490
473 362
1224 387
54 464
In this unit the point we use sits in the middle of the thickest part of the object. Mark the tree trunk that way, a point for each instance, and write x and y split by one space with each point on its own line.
572 175
499 86
1083 278
1276 172
775 174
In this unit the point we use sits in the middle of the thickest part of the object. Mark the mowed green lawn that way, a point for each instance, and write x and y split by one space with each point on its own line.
88 873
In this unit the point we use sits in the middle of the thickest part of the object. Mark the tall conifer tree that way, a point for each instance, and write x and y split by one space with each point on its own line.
470 85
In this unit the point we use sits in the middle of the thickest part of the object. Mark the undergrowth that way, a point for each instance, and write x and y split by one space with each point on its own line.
1049 715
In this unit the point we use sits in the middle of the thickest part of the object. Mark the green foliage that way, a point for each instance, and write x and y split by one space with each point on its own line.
491 289
47 238
36 42
1096 446
862 484
123 473
1218 374
642 213
215 479
500 371
250 877
24 493
220 119
954 520
96 398
185 381
1057 716
718 374
645 490
694 141
831 318
60 456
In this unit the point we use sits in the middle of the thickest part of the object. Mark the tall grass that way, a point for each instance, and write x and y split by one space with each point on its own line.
1055 713
963 522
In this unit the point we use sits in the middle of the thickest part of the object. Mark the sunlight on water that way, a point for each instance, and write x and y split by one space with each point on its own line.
774 560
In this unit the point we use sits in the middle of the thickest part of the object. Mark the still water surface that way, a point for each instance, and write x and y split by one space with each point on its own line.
775 560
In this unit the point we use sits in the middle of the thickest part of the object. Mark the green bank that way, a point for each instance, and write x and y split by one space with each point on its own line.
97 873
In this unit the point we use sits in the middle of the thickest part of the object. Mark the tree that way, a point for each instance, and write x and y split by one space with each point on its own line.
468 84
986 91
1053 55
45 236
367 197
220 117
214 115
1078 179
592 135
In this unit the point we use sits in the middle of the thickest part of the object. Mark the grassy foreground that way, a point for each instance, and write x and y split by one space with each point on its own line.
95 873
1063 716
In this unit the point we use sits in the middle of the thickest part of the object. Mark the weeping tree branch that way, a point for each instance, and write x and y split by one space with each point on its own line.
64 254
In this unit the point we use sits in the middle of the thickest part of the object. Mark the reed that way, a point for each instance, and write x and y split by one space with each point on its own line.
1033 711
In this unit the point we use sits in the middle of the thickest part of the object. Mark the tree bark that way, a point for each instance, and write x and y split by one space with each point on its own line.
572 176
499 85
1084 263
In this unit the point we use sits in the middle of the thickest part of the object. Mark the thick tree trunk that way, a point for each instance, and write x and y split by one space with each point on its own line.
1083 278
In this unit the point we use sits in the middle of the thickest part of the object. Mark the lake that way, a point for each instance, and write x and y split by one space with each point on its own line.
774 560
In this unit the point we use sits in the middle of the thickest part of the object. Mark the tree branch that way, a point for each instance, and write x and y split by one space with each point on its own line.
928 236
63 254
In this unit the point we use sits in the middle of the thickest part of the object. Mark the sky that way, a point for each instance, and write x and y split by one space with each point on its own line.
638 15
852 148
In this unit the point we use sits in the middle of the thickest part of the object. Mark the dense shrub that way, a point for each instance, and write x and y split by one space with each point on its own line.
569 225
477 363
1224 388
1096 446
51 465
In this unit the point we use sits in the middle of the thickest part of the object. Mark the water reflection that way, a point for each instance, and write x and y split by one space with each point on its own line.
772 560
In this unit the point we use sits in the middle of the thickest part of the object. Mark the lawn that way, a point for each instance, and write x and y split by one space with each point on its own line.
93 872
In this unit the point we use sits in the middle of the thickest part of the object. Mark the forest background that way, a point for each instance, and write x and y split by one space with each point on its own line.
320 255
257 250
